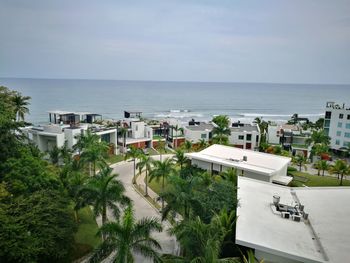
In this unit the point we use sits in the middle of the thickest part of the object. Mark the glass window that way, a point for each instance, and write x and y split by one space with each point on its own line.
328 114
348 117
347 134
347 125
337 142
338 133
340 124
240 137
203 135
249 137
327 123
346 144
341 115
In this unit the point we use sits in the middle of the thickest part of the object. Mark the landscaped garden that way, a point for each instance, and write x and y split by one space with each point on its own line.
303 178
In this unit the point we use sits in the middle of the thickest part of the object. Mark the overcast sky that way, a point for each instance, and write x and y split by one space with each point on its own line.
298 41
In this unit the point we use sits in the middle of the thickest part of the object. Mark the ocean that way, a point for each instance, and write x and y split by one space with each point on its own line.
183 100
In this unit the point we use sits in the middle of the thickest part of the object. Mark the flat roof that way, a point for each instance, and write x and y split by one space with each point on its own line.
263 163
61 112
245 127
200 127
324 237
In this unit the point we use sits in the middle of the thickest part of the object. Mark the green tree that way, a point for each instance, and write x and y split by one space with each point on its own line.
128 236
188 146
105 191
318 136
340 168
162 170
221 129
95 154
133 153
202 144
180 158
145 162
322 165
21 104
54 155
300 161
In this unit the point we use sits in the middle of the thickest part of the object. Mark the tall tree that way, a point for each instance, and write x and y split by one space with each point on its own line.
145 162
133 153
340 168
221 129
322 165
128 236
180 158
162 170
95 154
21 104
300 161
105 191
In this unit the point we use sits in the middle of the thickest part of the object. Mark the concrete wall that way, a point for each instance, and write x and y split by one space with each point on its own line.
137 129
333 128
270 258
234 139
46 143
195 136
256 176
70 136
201 164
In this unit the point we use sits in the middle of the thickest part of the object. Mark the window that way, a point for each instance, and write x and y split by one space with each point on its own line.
341 115
240 137
203 135
347 125
257 138
327 123
340 124
348 117
328 115
347 134
337 142
249 137
136 127
346 144
338 133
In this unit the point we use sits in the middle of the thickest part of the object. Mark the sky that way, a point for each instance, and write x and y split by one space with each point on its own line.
298 41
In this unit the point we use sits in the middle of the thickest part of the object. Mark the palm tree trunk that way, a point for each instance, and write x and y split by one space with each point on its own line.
76 215
134 181
318 171
94 168
90 168
341 179
163 191
322 172
146 182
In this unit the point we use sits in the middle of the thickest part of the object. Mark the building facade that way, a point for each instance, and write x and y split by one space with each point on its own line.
245 136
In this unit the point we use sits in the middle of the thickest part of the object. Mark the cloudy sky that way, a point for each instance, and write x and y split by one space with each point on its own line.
298 41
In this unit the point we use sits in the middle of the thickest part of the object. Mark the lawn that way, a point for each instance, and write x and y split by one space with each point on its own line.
85 238
302 178
115 158
157 137
156 186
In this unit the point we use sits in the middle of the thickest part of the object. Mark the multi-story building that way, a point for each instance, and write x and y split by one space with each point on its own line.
337 125
65 127
197 131
244 136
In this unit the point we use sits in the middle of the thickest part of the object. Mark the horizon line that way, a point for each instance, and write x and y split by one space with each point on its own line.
181 81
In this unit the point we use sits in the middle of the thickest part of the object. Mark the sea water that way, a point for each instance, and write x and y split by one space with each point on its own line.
183 100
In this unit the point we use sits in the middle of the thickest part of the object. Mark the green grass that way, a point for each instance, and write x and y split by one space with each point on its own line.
157 137
156 186
85 238
302 178
115 158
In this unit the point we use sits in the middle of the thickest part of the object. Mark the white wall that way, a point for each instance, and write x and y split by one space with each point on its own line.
196 136
234 139
270 258
138 129
333 128
272 137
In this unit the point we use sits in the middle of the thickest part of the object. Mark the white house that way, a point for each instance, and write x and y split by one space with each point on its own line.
245 136
196 131
337 125
252 164
293 225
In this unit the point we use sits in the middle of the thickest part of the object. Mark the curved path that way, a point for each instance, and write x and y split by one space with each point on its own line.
143 208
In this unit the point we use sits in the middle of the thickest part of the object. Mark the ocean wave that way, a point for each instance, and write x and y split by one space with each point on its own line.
280 115
177 111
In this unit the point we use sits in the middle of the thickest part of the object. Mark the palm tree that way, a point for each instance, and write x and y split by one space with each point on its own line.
145 162
176 128
318 136
20 103
123 132
54 154
340 168
65 153
188 146
162 170
95 154
221 131
126 237
133 153
180 196
76 182
251 258
202 144
230 175
322 165
300 161
180 158
105 191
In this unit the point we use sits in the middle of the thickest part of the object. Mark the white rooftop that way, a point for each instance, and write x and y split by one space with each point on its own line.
325 237
258 162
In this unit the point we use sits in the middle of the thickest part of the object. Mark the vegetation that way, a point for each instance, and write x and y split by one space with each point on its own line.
133 153
127 236
340 168
221 130
302 178
300 160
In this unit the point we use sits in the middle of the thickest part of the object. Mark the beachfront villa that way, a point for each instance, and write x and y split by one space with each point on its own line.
290 137
337 125
260 166
244 136
138 134
65 127
293 225
196 131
